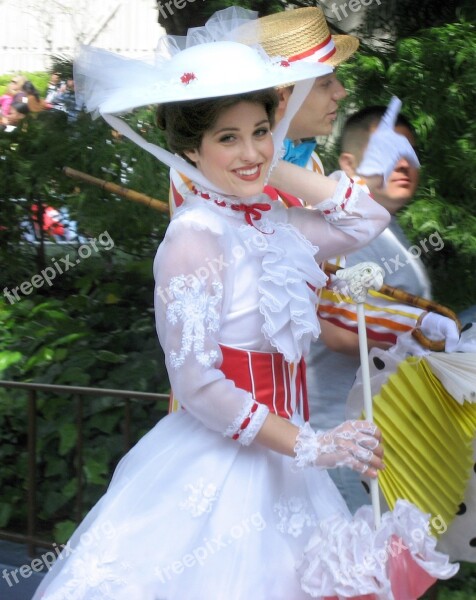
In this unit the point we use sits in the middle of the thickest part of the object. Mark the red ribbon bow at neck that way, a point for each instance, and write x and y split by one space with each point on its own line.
252 211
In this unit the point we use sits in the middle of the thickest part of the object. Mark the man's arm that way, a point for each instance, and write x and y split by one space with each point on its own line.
342 340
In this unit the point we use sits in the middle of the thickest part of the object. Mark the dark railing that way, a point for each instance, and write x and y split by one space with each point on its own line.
78 393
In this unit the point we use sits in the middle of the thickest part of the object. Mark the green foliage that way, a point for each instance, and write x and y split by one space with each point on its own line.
93 326
460 587
31 161
94 340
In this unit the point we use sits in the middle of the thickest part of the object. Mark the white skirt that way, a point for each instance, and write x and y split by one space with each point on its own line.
192 515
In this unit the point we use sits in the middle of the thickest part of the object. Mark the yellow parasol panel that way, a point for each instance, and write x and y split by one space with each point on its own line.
428 440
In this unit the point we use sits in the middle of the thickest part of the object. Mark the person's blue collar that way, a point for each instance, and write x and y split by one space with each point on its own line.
299 153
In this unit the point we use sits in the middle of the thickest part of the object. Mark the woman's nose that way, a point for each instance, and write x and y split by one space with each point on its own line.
249 151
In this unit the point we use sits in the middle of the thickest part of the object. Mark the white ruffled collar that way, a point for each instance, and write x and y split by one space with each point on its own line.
249 210
290 275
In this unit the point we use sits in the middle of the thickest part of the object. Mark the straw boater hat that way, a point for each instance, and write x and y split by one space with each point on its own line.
301 34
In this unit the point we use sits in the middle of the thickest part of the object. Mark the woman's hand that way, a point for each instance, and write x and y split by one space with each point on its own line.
353 444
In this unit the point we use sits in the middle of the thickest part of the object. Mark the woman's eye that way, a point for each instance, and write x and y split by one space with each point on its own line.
227 138
262 131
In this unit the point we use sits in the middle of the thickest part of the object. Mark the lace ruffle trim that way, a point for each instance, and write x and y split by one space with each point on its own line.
306 448
351 558
287 292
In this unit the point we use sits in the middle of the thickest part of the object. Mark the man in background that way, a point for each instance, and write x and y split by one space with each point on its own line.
334 358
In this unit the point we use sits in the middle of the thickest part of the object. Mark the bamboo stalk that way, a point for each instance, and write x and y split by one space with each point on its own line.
118 189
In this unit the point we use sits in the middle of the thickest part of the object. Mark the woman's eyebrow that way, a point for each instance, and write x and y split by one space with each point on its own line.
238 129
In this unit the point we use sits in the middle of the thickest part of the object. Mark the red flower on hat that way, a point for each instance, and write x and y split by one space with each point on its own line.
285 63
187 78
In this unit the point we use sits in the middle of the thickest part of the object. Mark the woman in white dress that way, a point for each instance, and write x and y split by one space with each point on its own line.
218 500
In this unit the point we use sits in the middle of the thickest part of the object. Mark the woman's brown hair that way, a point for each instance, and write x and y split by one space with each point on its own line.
185 123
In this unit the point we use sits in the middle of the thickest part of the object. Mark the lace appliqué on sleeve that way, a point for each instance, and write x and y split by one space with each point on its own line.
196 308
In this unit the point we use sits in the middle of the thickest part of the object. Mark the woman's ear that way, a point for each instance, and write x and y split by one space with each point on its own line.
193 156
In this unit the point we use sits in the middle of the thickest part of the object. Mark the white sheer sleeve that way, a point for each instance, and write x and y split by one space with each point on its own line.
192 279
342 224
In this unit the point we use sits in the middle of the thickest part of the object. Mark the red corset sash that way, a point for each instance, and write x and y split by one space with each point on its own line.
272 381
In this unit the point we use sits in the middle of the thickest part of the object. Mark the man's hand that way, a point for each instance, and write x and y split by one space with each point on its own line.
386 147
437 327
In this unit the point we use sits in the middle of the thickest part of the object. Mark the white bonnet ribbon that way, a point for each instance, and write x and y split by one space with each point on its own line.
299 94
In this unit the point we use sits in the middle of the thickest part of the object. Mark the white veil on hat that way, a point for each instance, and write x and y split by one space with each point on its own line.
204 64
222 26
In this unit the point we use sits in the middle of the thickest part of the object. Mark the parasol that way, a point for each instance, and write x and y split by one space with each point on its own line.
398 560
425 406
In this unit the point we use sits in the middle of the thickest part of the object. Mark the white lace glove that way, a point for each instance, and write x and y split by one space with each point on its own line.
386 147
437 327
350 444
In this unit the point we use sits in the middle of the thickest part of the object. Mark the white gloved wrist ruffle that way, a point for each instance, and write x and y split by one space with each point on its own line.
306 447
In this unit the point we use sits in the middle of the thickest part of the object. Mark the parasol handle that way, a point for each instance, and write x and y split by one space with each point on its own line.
360 279
412 300
365 371
118 189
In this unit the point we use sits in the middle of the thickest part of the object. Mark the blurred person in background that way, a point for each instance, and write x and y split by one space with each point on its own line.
18 111
35 103
13 93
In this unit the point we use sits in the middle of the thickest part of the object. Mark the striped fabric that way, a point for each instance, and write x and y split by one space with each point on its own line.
385 318
272 381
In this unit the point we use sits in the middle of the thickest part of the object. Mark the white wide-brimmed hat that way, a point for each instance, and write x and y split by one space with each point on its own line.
108 84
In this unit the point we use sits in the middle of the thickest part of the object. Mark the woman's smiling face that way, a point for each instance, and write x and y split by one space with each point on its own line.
236 153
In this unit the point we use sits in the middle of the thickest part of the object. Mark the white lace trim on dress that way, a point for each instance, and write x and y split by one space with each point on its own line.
287 291
200 499
350 558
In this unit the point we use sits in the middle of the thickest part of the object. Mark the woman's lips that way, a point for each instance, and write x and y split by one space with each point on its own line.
248 173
